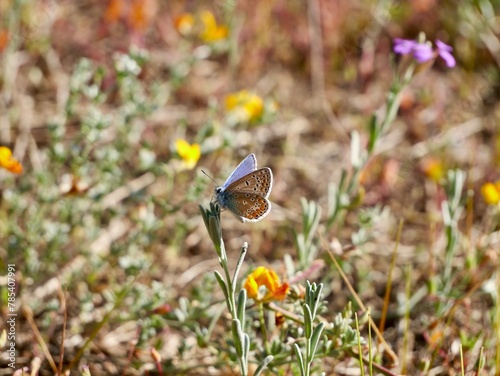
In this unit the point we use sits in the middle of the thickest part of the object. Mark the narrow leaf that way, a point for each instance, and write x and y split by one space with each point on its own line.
263 365
237 337
307 320
318 330
300 360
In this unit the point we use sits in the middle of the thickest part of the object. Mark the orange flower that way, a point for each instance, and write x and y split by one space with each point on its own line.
4 39
184 24
113 11
138 13
491 192
9 163
142 12
432 168
263 276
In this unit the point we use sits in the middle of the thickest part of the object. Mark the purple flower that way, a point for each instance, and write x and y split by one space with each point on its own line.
444 52
404 46
423 52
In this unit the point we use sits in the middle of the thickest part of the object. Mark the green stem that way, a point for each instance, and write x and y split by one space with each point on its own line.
263 327
229 282
308 359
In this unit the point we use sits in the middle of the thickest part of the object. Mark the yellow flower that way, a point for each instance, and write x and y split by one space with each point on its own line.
9 163
433 169
263 276
184 24
211 32
491 192
190 154
244 106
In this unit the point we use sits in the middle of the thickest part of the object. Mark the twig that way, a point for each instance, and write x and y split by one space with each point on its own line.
316 40
28 313
450 136
389 278
65 321
317 66
390 352
126 190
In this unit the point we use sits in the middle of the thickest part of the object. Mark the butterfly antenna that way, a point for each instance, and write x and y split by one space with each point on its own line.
208 176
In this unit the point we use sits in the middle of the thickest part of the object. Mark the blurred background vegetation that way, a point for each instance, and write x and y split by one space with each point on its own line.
113 108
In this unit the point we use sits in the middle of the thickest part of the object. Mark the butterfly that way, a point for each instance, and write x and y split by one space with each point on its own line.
246 190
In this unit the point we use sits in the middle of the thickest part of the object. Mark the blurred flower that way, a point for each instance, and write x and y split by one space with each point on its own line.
184 24
244 106
142 13
113 11
279 319
211 32
432 168
162 309
126 65
138 14
4 39
491 192
263 276
435 337
444 52
403 46
423 52
9 163
155 355
190 154
71 185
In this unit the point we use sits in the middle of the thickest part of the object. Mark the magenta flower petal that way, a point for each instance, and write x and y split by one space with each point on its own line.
422 52
444 52
443 46
404 46
448 58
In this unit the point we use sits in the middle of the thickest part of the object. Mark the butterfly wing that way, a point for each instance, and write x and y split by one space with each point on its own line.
251 207
246 190
246 166
257 182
